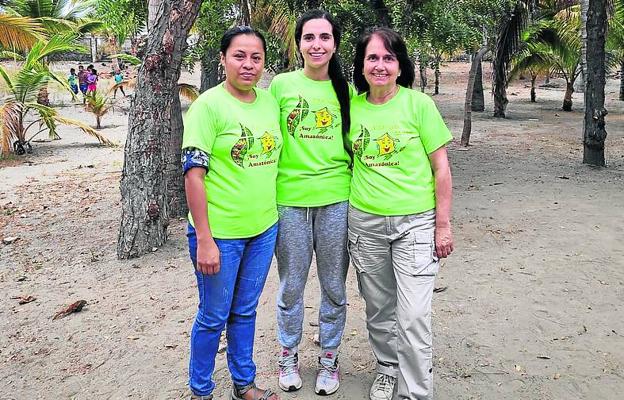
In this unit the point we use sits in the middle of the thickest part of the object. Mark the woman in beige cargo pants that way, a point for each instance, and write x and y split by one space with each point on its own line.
399 214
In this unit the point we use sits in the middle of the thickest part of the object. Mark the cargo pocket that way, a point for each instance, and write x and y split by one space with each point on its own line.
422 260
354 253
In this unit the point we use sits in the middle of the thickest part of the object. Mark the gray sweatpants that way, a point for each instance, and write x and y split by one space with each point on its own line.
303 230
396 269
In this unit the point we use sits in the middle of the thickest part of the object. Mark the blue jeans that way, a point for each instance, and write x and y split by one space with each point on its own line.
230 298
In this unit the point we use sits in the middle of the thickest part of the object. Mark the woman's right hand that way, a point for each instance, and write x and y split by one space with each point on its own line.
208 257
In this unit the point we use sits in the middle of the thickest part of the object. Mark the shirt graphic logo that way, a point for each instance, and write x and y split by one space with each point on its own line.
297 115
268 144
387 145
324 119
242 146
361 142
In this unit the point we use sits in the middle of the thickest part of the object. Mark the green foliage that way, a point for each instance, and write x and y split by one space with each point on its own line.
123 18
33 76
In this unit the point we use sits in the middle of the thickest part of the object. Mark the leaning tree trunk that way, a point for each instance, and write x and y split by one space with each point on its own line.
594 132
533 96
622 81
567 98
465 138
209 70
478 100
154 128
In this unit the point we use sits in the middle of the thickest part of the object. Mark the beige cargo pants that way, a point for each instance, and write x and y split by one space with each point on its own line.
396 268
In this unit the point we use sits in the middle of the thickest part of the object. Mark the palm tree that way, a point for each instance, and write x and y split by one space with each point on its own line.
19 33
531 59
22 100
98 105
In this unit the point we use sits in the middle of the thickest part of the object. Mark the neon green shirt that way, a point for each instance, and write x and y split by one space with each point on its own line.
243 141
314 165
391 142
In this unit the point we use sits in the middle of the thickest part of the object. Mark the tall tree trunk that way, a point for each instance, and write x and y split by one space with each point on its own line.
154 130
594 132
622 81
567 98
499 82
533 96
93 43
152 13
478 100
436 88
245 8
209 70
383 16
583 33
465 138
422 69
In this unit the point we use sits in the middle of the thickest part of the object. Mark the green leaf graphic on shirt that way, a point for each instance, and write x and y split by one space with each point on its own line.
361 142
242 146
297 115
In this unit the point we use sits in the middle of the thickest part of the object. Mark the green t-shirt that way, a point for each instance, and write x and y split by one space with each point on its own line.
391 142
243 141
314 165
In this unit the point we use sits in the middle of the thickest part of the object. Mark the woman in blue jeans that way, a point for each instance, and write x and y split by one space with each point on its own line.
231 146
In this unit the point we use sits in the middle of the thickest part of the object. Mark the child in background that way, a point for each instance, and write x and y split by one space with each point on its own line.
92 78
72 79
118 75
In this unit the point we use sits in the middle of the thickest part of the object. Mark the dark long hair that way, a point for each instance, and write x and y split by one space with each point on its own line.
395 44
339 83
231 33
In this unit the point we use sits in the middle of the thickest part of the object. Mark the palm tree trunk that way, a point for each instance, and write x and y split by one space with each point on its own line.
567 98
533 96
500 91
478 100
422 69
209 70
152 12
622 81
436 88
583 33
151 183
465 138
594 132
98 121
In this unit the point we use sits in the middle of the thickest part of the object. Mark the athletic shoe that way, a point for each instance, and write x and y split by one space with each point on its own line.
328 376
383 387
289 378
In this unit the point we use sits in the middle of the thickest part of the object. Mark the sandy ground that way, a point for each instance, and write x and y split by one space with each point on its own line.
534 299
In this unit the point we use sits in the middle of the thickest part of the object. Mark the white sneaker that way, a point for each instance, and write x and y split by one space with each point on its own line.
328 376
289 378
383 387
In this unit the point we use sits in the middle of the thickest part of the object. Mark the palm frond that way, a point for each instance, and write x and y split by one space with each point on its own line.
6 54
508 41
98 104
6 77
188 91
85 128
9 125
88 26
132 60
19 33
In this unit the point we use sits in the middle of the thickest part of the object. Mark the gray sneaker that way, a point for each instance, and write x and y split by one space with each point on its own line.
383 387
289 377
328 376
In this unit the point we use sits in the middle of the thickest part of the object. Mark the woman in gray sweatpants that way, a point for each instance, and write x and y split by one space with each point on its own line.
312 192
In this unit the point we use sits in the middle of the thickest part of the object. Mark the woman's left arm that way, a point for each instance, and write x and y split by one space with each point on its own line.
443 194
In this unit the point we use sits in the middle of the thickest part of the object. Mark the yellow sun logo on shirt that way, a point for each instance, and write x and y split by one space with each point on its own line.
268 143
323 118
386 144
